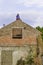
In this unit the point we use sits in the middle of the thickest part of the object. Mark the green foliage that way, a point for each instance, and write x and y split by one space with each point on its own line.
42 36
38 27
30 61
30 58
41 30
20 62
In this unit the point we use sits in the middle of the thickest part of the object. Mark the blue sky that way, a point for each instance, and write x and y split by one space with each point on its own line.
31 11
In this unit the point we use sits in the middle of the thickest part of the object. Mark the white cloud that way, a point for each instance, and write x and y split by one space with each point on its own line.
31 10
38 22
1 1
35 17
33 2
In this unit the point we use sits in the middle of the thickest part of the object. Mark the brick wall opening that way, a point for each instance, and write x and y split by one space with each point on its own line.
17 33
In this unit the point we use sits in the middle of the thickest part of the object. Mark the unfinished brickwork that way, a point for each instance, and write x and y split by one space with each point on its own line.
15 41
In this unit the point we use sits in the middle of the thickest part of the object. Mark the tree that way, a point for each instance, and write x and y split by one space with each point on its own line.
21 61
38 27
30 57
41 30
